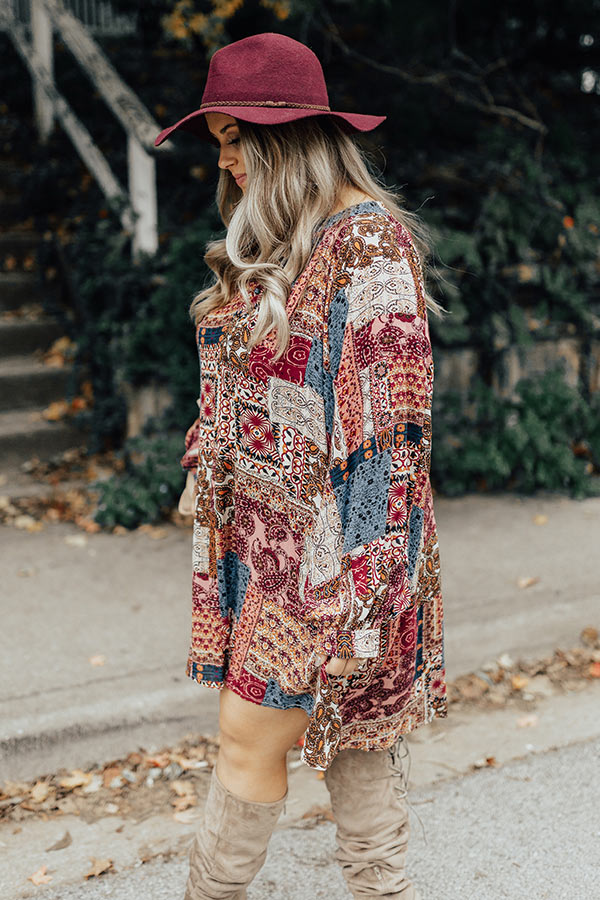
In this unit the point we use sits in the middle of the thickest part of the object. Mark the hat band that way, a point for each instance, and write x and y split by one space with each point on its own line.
280 103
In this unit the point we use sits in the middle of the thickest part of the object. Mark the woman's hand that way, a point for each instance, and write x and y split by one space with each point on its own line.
338 666
186 501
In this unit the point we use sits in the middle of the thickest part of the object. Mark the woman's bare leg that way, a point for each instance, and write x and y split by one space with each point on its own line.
254 744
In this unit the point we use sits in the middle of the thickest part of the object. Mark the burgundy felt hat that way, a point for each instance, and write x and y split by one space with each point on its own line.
266 79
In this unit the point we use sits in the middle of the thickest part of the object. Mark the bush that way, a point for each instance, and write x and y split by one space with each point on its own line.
547 437
150 486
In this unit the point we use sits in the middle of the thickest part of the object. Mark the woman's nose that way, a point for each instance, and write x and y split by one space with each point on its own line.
225 158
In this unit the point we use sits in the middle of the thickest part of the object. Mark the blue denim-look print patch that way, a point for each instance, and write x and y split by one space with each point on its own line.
274 696
202 672
336 326
362 500
321 381
415 527
233 576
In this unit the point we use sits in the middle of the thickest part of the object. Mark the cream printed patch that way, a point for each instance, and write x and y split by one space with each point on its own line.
387 286
324 546
200 541
299 406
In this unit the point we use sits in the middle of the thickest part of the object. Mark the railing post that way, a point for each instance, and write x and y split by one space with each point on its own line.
41 30
142 194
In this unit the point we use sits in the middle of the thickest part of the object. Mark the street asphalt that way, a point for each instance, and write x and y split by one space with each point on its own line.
526 831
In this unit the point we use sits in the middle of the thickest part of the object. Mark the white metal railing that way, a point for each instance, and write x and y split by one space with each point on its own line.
139 201
98 16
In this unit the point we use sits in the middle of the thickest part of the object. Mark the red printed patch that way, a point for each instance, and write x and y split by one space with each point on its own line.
290 367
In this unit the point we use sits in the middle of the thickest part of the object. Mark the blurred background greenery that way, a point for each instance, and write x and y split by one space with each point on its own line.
491 134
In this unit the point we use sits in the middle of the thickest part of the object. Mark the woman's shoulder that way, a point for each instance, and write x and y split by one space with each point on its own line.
371 221
368 230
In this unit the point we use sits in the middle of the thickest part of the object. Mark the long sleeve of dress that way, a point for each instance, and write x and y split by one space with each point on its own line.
368 538
189 460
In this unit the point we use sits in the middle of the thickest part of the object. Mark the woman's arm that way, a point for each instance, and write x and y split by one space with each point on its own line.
189 463
378 356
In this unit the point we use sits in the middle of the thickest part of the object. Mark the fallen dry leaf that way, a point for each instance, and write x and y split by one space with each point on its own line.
594 669
88 524
40 791
97 660
76 779
56 411
519 681
486 761
319 812
527 721
589 635
527 581
99 867
63 842
185 802
159 760
506 661
27 523
13 788
153 531
182 788
187 764
76 540
187 817
40 876
110 774
94 785
540 519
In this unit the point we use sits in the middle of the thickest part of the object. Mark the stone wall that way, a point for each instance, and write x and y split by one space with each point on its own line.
455 368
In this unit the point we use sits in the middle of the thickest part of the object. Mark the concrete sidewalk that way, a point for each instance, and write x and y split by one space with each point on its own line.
69 598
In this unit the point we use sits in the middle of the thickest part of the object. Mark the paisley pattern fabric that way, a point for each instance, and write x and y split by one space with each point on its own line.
314 529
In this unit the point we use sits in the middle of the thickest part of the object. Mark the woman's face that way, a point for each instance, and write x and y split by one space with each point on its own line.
225 130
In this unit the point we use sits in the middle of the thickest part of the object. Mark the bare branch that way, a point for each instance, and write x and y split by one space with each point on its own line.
441 80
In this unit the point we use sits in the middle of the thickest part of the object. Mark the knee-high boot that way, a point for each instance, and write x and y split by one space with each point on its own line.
371 813
230 845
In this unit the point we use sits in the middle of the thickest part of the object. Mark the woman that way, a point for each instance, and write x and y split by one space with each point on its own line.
316 597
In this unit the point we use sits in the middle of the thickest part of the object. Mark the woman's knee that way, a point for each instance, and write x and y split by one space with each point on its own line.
256 734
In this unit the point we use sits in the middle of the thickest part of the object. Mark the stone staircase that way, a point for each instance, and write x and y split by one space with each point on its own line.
27 384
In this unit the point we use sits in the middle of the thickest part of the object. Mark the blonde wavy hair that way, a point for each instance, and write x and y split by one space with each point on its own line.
296 171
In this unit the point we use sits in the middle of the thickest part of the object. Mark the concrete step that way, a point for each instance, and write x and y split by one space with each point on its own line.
8 168
17 484
22 336
25 433
10 175
11 209
25 382
18 243
17 288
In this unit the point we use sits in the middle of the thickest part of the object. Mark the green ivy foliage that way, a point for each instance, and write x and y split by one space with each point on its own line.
545 437
133 323
150 486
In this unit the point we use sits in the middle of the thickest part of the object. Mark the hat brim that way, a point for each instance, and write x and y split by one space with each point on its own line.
195 122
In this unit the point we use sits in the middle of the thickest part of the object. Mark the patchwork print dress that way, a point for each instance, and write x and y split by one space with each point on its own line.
314 527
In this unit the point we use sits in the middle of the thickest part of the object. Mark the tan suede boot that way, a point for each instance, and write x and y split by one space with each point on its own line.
368 791
230 845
